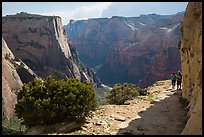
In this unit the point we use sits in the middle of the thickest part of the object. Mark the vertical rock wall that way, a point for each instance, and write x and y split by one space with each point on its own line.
191 62
41 42
11 82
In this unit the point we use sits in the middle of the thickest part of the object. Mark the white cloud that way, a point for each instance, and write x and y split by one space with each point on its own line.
133 9
83 12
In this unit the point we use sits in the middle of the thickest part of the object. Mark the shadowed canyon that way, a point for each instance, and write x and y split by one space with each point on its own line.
105 53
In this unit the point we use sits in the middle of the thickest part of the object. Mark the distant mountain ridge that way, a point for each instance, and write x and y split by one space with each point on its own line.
77 26
125 49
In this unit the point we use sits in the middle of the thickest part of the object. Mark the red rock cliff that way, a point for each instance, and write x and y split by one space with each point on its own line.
191 63
150 55
129 49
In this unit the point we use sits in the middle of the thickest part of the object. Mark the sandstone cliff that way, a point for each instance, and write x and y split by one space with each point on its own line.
94 37
41 42
138 50
14 72
151 56
191 62
11 82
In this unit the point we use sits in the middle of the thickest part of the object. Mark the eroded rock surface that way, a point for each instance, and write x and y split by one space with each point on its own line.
41 42
191 62
11 82
140 50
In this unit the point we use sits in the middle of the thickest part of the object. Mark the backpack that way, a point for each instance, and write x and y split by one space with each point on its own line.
179 77
174 78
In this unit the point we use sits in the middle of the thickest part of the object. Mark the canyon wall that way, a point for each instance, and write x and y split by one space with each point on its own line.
94 37
41 42
139 50
191 63
150 55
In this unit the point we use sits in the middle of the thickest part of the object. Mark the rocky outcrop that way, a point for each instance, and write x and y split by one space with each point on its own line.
15 72
11 82
41 42
191 62
138 50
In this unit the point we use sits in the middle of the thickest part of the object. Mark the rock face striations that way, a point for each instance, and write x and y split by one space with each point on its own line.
41 42
139 50
191 63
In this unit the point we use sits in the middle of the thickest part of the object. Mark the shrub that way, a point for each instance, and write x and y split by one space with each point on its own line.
7 56
12 126
13 61
121 93
16 59
51 101
22 65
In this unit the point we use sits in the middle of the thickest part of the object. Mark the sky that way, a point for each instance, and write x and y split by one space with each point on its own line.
85 10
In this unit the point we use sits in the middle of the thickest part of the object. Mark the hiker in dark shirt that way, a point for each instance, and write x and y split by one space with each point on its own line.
173 79
179 80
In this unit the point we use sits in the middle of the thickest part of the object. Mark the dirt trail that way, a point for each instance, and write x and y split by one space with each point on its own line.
160 114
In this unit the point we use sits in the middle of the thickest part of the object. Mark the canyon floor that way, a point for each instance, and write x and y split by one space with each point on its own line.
160 113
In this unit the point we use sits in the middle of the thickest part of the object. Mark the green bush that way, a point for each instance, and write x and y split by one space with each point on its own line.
7 56
22 65
121 93
12 126
51 101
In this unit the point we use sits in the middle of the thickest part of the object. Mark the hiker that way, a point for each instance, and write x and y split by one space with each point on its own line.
179 79
173 79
